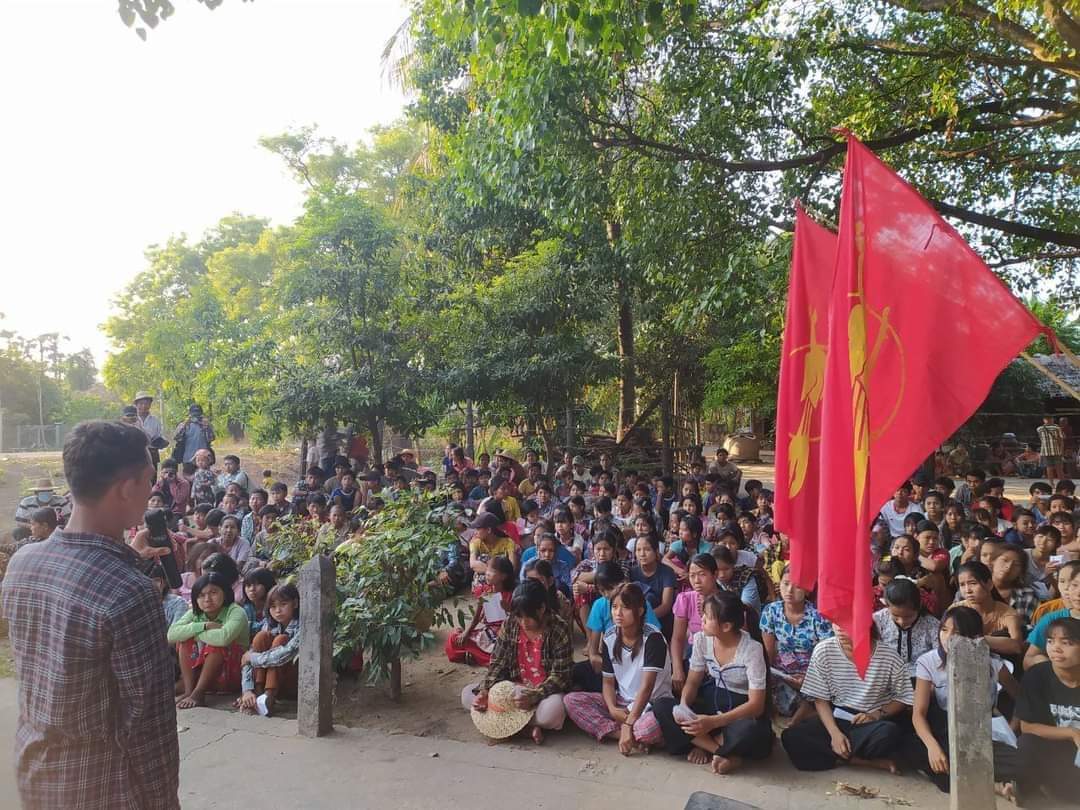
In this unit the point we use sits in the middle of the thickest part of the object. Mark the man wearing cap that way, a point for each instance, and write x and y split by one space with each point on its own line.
149 423
193 434
43 495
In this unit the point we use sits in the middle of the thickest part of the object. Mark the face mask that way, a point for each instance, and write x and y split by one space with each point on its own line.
44 497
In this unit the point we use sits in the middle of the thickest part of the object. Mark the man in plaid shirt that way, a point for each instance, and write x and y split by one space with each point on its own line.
97 718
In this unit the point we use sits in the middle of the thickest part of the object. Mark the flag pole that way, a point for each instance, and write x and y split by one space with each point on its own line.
1051 375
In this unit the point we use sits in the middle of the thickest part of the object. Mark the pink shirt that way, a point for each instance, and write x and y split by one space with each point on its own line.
688 606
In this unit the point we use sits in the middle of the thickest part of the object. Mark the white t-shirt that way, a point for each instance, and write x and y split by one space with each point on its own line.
832 676
930 668
652 656
745 671
894 519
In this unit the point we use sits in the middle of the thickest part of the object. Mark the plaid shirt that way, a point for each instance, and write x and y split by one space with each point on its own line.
556 656
97 718
1024 601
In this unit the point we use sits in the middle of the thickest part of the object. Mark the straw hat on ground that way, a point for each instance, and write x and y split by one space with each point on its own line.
502 718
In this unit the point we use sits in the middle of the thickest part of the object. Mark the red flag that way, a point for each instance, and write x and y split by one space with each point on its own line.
802 381
920 329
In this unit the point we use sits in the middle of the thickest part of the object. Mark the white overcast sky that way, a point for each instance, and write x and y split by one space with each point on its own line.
110 144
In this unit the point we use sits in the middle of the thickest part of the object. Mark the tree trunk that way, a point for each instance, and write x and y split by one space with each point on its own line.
571 432
470 430
395 680
551 452
375 429
627 371
666 455
303 457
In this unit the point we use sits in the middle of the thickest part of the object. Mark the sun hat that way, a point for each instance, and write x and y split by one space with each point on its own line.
578 461
143 395
502 719
506 454
43 485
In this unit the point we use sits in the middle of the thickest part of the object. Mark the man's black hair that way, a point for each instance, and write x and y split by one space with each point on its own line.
98 454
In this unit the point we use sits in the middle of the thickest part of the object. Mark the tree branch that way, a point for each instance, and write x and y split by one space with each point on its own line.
1008 29
1046 256
1045 235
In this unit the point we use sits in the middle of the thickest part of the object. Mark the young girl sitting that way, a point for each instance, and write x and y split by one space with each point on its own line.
488 541
1049 708
1001 625
687 612
636 670
582 578
657 581
257 586
542 570
270 664
211 639
904 624
856 717
474 644
790 629
608 578
721 717
1009 574
927 749
736 578
905 550
688 545
197 554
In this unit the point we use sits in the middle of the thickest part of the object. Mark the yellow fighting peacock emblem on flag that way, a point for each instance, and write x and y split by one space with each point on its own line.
813 385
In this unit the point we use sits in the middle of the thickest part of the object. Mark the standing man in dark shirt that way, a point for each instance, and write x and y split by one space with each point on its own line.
97 718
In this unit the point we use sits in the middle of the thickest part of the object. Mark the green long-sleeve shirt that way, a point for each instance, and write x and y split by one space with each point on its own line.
234 628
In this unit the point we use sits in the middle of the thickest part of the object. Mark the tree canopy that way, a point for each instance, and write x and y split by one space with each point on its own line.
589 205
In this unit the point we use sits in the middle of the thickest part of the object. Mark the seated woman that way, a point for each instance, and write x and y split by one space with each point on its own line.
210 640
533 649
927 749
1001 625
905 551
790 629
856 719
737 579
636 668
722 714
489 541
688 545
542 571
609 578
904 624
687 613
657 581
1009 574
583 578
474 644
1049 708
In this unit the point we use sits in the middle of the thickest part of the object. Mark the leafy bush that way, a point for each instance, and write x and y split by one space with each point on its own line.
384 603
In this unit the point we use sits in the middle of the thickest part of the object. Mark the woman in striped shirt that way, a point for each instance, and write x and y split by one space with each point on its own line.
856 717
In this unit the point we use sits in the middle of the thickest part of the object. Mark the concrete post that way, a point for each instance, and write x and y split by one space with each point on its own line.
315 690
971 755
